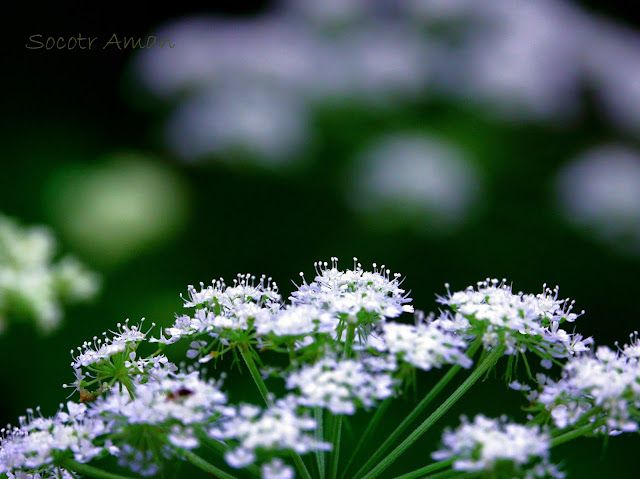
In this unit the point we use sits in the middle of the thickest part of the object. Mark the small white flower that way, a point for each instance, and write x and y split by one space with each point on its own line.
30 277
424 346
32 445
341 385
482 444
518 321
277 428
277 469
606 379
356 296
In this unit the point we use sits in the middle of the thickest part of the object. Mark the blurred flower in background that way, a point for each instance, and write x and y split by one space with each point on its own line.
249 90
251 84
265 124
600 192
122 206
33 285
415 180
517 59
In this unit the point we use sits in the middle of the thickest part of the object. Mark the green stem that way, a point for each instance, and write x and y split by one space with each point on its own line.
255 374
337 427
477 373
371 426
351 336
395 435
302 469
89 471
581 431
200 463
436 466
215 446
126 381
257 378
445 474
337 433
320 438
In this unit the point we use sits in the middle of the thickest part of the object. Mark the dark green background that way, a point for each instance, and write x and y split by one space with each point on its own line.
64 109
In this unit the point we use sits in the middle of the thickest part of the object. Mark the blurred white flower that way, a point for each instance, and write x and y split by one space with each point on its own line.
612 56
484 443
268 124
416 177
328 12
518 59
600 190
32 285
250 83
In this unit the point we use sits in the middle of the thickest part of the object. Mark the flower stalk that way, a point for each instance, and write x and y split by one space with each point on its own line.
478 372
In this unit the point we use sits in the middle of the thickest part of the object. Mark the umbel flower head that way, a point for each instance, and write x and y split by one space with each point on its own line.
225 312
425 345
508 450
164 409
604 386
104 361
337 347
342 385
32 285
253 308
34 444
280 427
354 296
520 322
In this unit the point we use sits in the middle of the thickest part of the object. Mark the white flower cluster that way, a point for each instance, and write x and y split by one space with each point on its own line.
277 428
100 350
277 469
334 298
33 445
519 321
299 320
424 345
223 308
341 385
105 361
336 346
606 383
355 296
33 285
175 403
487 444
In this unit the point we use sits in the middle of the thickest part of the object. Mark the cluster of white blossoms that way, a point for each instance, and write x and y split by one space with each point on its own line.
277 428
34 444
223 309
341 385
604 385
299 320
424 345
498 445
176 403
32 285
103 361
337 345
355 296
333 299
521 322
